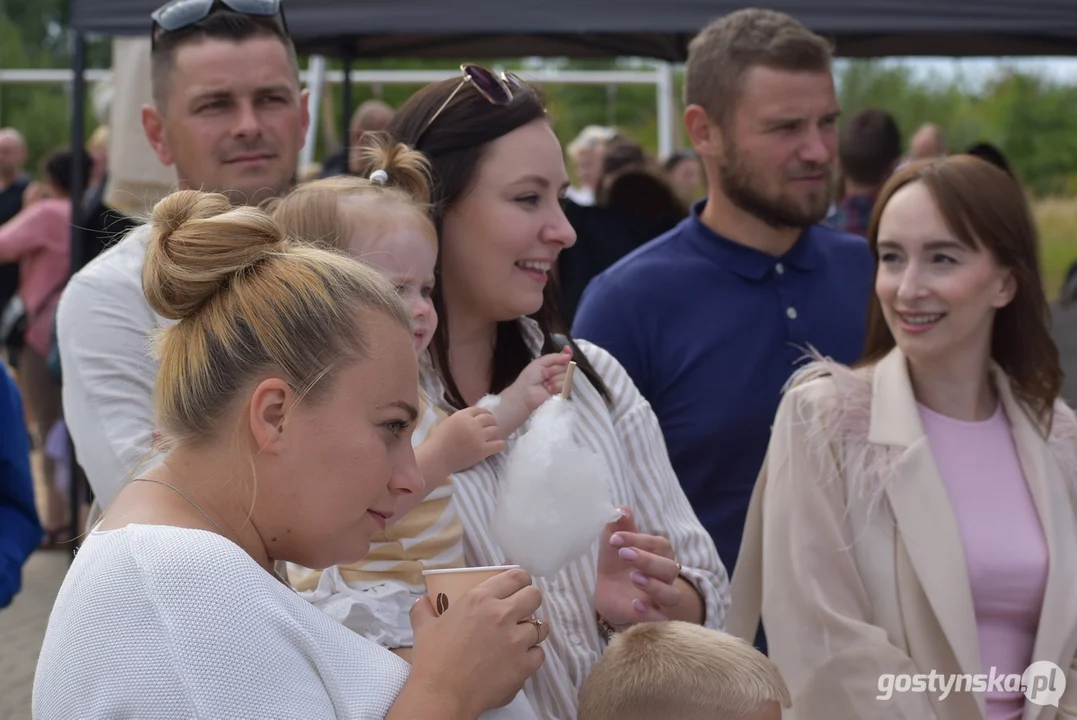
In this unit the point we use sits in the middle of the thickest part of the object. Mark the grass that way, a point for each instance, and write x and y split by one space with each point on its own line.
1056 219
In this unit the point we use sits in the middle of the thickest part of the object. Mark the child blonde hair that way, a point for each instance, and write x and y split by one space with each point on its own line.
347 212
658 671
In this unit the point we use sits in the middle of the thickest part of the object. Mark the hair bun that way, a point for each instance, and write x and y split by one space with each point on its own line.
199 244
393 164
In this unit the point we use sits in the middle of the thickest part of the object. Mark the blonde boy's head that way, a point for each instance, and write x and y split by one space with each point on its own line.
666 670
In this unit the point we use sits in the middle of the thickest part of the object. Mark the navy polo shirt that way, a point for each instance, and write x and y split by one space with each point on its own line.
710 331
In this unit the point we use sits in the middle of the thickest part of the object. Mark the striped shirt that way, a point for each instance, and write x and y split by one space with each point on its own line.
626 435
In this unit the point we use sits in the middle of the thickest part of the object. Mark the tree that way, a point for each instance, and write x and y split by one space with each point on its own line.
1029 118
33 35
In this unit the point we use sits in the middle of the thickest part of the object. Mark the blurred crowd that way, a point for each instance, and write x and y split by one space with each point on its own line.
813 365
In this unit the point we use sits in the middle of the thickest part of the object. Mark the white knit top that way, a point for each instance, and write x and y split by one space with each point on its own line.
156 622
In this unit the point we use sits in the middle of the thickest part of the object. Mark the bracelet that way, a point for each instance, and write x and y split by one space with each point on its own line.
606 630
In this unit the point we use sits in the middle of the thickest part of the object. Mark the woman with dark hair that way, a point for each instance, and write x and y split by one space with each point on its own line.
643 195
992 154
39 240
685 174
918 514
498 180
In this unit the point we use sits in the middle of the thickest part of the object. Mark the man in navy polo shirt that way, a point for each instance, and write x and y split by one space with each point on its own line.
711 319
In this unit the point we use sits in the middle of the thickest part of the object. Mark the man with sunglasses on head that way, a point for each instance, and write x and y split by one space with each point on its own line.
230 115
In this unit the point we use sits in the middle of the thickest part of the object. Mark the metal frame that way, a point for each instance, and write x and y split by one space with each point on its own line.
316 74
79 487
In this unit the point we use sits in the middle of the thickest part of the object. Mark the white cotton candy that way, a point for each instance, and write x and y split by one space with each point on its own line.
489 402
554 499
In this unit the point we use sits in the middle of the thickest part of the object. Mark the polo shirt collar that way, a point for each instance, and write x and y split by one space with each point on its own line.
745 261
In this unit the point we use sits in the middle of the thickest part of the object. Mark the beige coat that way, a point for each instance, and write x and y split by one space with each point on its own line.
853 555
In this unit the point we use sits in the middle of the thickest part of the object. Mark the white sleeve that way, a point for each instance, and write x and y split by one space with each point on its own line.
104 332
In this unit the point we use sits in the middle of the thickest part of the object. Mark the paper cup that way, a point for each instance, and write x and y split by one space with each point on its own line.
445 587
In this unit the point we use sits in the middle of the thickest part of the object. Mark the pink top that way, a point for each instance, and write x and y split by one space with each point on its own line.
39 239
1005 549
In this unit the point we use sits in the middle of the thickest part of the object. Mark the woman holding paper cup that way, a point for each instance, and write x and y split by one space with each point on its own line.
287 397
499 177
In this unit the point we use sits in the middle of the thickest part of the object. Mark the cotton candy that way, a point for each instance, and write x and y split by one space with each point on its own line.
554 499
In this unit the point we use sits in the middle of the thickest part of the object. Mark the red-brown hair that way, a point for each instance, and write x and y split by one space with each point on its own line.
986 210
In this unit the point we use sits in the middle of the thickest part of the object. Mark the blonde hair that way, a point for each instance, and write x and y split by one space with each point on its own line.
591 138
313 211
655 671
99 139
248 300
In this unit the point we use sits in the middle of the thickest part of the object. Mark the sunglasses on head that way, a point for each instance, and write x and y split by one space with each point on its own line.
495 88
179 14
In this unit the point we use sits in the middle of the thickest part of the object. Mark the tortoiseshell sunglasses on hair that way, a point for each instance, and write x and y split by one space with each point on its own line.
496 89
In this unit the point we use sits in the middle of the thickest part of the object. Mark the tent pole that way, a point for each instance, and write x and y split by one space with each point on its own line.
346 108
78 246
667 110
316 87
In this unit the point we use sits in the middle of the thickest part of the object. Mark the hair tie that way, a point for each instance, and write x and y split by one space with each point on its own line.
379 177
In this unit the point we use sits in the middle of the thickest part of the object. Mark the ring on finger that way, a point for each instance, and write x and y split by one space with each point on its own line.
538 630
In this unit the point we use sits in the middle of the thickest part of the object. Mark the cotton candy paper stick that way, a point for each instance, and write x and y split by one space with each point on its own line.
567 389
554 499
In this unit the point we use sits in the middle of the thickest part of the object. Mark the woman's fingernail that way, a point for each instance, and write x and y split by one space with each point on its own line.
640 606
617 541
628 554
624 513
639 578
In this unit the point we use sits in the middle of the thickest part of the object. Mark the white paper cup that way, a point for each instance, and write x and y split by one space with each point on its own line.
445 587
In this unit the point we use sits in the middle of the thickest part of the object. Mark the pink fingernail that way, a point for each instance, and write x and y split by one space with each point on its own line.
640 606
639 578
628 554
617 541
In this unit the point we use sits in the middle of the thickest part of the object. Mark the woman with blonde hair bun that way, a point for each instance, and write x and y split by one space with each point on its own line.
286 399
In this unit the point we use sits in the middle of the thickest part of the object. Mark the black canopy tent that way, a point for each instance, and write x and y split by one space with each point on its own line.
648 28
660 29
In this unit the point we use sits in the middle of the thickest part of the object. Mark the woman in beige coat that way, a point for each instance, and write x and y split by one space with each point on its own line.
916 517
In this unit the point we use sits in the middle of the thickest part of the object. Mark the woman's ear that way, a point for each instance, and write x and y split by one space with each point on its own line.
1008 290
270 403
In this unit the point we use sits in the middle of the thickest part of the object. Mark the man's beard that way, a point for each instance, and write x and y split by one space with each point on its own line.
740 185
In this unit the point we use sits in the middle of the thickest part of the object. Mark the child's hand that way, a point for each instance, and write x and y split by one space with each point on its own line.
543 378
466 438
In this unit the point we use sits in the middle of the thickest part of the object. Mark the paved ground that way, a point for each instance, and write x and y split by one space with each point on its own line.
22 628
23 623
